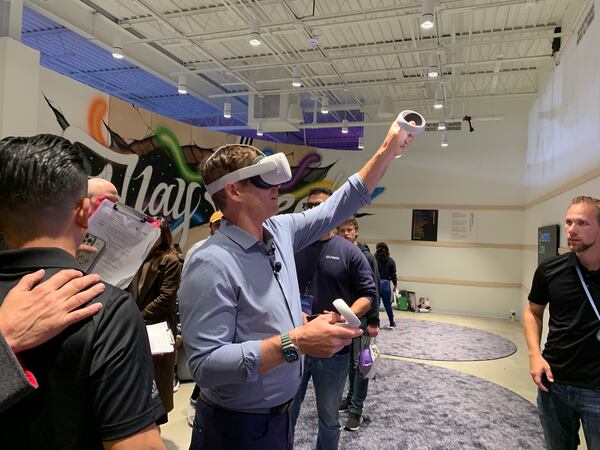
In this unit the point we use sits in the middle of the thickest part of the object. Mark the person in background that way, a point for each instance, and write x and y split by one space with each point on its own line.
95 377
358 385
214 222
329 269
154 288
33 313
387 277
567 373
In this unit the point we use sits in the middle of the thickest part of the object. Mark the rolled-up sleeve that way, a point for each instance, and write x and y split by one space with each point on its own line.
207 303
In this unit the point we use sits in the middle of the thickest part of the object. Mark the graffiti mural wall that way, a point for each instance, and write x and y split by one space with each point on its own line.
153 160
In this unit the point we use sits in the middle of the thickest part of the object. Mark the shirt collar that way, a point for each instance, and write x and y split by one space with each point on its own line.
30 259
241 237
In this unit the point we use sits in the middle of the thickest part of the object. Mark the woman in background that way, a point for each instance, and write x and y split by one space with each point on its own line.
387 276
154 288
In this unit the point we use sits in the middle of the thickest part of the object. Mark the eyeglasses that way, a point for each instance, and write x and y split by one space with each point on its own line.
308 205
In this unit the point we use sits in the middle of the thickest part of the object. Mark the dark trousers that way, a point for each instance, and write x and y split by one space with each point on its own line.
221 429
385 290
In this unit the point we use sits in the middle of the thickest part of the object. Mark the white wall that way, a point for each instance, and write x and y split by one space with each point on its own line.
481 172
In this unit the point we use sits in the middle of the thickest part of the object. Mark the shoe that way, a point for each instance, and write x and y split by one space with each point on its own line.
191 413
176 385
353 422
392 326
344 404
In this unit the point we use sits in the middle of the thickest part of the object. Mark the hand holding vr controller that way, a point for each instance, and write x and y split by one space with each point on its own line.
318 338
405 127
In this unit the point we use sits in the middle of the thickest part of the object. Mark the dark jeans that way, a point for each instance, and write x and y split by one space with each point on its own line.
329 376
357 385
220 429
561 410
385 290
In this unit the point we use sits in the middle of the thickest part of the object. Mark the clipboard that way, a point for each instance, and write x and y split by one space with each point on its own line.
129 239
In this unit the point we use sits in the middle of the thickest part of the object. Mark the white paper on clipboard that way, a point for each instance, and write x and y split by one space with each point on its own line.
161 338
129 239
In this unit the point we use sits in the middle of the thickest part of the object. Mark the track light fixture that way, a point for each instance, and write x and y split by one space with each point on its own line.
227 110
434 65
442 126
325 105
361 142
182 85
345 126
444 140
296 81
255 33
438 103
117 51
427 20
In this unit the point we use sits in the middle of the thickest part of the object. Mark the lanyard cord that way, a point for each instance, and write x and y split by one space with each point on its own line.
587 292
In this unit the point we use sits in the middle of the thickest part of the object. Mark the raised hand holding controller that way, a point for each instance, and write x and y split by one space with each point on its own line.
411 121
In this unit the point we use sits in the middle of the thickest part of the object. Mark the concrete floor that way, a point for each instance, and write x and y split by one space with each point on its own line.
511 372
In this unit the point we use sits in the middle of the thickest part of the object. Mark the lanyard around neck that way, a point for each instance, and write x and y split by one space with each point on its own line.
587 291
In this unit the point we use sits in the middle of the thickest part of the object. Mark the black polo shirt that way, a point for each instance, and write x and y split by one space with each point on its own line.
95 378
571 349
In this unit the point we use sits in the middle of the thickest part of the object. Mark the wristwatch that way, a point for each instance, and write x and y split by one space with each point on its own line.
288 349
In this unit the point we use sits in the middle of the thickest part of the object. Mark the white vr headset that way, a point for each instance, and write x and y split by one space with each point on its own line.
264 172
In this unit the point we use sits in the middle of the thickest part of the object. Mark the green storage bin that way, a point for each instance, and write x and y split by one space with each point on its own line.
402 303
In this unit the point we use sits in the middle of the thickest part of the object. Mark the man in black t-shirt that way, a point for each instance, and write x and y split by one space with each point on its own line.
96 387
567 373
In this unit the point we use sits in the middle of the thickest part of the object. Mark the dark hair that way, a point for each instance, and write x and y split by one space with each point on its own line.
42 178
382 252
226 159
165 245
320 190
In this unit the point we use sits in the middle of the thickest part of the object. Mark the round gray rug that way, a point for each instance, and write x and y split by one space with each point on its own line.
424 339
421 407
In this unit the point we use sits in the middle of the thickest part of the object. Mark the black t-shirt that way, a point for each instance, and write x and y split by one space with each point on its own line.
571 349
95 378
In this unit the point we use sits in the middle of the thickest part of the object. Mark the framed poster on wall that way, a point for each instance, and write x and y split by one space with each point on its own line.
424 225
547 242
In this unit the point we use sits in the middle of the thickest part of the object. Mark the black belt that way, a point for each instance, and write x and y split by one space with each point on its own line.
271 411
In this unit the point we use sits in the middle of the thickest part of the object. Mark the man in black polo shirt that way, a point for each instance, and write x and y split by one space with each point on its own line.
568 371
96 387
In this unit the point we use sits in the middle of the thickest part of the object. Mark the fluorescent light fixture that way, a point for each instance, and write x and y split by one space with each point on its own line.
345 126
227 110
117 51
438 103
361 142
259 129
182 85
325 105
427 20
385 110
255 33
296 81
444 140
434 65
442 126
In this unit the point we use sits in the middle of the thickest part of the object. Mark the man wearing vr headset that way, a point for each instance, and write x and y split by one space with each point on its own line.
239 298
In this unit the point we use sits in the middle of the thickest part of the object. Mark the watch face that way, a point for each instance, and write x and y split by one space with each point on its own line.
290 354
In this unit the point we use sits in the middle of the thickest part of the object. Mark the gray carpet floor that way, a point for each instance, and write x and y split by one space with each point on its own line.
421 407
424 339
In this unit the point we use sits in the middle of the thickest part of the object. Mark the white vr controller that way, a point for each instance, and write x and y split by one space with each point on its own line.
351 320
405 117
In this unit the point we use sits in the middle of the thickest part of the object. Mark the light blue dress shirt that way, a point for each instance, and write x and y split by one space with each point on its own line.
230 299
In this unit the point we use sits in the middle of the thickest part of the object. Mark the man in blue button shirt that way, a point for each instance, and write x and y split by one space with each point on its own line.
239 299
